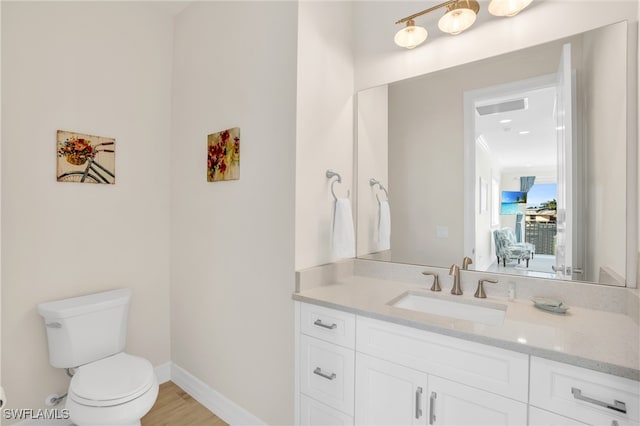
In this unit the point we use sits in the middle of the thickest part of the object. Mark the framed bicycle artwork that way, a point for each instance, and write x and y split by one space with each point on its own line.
85 158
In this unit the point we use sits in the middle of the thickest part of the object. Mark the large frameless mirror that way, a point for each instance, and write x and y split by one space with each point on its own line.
518 162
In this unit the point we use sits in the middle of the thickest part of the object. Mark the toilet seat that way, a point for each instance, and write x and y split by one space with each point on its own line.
111 381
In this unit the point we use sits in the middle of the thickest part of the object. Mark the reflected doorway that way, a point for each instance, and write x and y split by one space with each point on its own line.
516 153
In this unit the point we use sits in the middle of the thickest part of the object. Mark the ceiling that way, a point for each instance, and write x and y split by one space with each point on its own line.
522 138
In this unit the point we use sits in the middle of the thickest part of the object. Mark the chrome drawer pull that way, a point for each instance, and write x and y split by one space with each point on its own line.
432 408
318 371
319 323
418 403
617 405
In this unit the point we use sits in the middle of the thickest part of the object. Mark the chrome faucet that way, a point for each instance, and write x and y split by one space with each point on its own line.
455 271
466 262
480 290
436 283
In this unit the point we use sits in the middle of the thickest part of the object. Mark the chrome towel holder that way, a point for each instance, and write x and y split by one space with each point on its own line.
331 174
373 182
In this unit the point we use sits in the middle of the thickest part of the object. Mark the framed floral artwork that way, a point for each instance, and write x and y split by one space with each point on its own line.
223 155
85 158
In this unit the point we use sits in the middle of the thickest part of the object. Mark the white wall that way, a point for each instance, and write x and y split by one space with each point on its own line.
232 242
1 201
372 149
98 68
605 62
324 136
486 169
425 172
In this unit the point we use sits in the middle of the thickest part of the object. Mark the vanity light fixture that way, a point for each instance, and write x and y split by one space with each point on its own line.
460 15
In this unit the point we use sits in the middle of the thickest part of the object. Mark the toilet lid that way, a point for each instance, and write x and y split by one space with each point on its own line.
111 381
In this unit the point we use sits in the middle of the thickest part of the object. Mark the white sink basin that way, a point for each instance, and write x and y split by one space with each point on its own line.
482 312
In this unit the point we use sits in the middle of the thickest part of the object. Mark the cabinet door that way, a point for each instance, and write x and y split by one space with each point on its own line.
451 403
389 394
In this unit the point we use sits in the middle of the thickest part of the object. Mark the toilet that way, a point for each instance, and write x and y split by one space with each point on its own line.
88 334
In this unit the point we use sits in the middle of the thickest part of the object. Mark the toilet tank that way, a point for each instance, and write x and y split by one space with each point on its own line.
86 328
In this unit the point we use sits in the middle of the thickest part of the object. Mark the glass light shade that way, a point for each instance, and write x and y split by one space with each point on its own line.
410 36
457 20
507 7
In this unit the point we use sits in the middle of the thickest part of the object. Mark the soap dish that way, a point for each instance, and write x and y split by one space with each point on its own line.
550 305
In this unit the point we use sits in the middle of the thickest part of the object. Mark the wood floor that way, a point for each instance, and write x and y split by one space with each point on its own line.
174 407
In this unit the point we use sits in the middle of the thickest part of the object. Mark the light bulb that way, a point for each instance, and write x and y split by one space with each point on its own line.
456 21
507 7
410 36
460 16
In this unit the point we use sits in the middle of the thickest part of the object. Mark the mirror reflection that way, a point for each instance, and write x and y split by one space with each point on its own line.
517 162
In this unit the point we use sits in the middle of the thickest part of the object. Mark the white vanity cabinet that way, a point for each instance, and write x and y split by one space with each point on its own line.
327 366
358 370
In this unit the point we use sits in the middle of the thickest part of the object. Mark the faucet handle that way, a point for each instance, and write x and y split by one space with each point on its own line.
480 290
436 282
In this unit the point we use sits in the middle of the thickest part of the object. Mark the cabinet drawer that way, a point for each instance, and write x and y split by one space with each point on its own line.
327 373
328 324
538 417
493 369
585 395
314 413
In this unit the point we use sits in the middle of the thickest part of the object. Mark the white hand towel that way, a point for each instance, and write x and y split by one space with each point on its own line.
384 227
344 239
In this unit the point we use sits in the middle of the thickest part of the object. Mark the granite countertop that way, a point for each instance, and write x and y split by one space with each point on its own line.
598 340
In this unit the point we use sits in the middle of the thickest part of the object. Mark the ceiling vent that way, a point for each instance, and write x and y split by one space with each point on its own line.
506 106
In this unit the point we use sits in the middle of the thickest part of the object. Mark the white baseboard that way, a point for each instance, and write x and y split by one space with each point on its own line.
213 400
163 372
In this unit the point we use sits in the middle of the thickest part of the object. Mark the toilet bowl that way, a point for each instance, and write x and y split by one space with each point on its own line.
88 334
117 390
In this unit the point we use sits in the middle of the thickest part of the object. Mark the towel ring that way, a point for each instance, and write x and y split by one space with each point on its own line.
331 174
373 183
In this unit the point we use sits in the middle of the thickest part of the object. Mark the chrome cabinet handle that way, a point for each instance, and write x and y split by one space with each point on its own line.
418 403
618 406
319 323
318 371
432 408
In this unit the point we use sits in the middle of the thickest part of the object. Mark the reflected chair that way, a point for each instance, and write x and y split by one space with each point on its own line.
507 248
